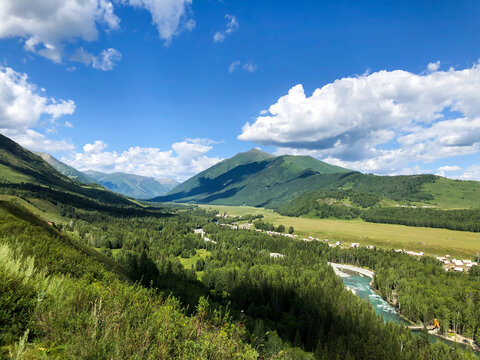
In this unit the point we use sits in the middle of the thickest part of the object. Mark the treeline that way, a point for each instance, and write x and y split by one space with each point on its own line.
464 220
343 204
350 204
266 226
225 219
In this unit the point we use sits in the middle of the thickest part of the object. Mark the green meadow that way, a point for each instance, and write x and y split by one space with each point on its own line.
429 240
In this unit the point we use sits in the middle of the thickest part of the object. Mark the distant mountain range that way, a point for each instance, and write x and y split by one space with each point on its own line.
252 178
256 178
135 186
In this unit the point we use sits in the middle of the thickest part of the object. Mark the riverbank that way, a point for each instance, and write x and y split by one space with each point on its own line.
339 267
342 270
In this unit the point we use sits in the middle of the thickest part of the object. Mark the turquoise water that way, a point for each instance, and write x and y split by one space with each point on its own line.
360 285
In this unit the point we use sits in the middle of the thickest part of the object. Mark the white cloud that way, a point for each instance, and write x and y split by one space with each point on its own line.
169 16
35 141
95 148
104 61
447 169
472 173
232 26
24 106
46 25
433 66
249 67
233 66
183 160
377 122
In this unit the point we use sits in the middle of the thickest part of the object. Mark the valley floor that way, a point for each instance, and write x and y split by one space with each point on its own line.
429 240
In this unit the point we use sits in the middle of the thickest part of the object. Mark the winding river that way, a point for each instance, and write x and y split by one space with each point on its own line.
358 280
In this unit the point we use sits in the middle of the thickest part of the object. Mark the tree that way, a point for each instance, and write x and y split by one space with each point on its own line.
280 228
291 230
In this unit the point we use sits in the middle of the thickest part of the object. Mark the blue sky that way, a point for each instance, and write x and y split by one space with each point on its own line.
165 87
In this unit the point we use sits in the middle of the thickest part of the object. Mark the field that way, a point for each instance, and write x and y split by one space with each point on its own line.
431 241
189 263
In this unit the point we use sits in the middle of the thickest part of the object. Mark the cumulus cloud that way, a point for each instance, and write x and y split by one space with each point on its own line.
447 169
104 61
377 122
232 26
36 141
183 160
24 106
45 25
169 16
433 66
472 173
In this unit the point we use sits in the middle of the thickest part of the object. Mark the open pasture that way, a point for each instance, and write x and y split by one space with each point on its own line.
429 240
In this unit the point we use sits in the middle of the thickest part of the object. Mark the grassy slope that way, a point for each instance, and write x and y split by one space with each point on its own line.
269 182
19 165
92 313
454 194
431 241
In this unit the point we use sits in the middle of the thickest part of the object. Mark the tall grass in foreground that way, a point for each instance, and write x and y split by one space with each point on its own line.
45 315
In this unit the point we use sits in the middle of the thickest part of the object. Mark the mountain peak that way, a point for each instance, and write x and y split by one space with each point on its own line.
253 155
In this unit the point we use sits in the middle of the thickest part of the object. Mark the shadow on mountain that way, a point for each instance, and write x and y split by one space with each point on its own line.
209 186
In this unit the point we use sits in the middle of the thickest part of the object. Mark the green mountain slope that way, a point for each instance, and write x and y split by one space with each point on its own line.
60 299
26 174
136 186
66 170
258 179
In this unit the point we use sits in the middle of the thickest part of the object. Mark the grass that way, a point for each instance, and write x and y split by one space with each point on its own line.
455 194
45 210
187 263
9 175
431 241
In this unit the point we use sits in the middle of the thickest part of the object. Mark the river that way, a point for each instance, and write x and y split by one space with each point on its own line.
359 284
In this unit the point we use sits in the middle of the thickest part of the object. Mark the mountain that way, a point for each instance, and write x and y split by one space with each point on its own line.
136 186
27 174
65 169
258 179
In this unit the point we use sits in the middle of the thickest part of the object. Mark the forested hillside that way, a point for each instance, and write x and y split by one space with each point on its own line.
59 299
352 204
256 178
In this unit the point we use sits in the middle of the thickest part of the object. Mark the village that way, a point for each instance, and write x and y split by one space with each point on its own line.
458 265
